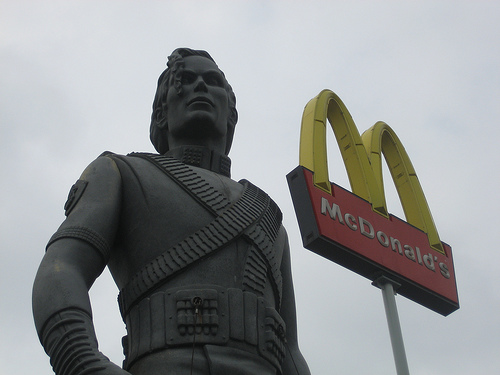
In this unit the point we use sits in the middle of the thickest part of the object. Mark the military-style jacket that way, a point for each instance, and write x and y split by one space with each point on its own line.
150 218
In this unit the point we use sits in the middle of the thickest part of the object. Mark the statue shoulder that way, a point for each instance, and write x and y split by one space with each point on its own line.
103 168
93 207
100 179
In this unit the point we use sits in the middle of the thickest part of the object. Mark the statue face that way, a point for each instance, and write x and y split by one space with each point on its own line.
199 112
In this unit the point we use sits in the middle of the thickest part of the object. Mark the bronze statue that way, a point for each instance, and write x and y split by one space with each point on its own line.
202 261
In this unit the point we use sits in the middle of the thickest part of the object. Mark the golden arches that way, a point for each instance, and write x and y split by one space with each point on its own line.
362 157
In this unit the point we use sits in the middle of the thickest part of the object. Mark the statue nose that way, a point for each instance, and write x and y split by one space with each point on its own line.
200 85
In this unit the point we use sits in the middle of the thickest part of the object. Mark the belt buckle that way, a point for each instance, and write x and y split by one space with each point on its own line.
202 316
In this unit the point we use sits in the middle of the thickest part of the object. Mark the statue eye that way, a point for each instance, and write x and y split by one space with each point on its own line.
187 78
214 80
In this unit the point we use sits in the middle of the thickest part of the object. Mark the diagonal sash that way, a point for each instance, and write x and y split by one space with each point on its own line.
254 214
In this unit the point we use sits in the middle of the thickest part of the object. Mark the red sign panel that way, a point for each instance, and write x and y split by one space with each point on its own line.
343 228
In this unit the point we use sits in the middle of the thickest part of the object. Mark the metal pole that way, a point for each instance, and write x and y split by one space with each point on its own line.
391 312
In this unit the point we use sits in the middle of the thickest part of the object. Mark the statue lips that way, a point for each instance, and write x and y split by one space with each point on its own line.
200 99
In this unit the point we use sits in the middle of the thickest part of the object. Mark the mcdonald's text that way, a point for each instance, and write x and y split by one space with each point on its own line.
366 229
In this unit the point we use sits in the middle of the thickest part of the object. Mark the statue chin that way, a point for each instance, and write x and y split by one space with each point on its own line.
201 130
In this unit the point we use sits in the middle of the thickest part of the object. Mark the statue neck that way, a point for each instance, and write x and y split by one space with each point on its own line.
203 157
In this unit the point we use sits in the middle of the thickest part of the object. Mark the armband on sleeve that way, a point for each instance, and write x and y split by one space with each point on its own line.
69 340
85 234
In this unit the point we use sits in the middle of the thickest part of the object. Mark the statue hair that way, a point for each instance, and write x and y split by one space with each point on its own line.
159 128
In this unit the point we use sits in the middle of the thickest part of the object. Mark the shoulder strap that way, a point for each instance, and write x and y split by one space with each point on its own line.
189 180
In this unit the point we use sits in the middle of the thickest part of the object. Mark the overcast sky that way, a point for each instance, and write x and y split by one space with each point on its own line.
78 78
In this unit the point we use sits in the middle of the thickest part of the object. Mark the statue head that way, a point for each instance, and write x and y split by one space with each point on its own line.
174 78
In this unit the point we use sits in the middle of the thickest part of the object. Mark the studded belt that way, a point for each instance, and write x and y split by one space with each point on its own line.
210 315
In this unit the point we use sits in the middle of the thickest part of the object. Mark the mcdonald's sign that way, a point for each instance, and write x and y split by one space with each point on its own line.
354 229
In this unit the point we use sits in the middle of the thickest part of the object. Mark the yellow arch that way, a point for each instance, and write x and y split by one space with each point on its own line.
363 162
312 153
379 139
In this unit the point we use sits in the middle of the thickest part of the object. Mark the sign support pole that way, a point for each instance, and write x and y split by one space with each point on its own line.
398 349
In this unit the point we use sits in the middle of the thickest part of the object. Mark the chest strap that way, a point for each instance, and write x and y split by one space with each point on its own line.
255 215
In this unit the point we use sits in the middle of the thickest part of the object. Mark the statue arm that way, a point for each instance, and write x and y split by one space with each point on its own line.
294 363
75 257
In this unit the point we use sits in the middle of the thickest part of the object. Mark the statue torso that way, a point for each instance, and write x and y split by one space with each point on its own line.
156 214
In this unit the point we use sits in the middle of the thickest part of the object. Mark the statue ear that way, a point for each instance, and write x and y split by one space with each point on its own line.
233 117
231 124
160 116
